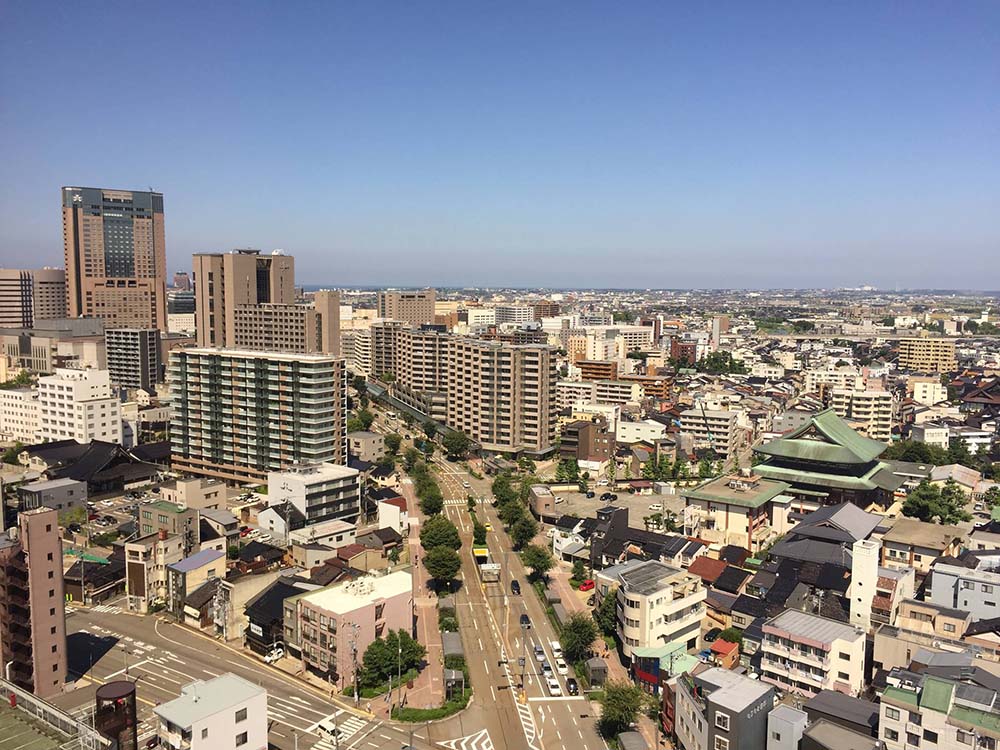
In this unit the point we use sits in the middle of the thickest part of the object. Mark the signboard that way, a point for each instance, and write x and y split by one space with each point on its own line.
256 630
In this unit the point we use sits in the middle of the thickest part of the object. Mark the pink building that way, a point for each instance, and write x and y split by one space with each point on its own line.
337 623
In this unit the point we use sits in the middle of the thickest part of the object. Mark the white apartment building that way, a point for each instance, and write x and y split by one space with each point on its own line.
836 377
480 317
360 353
223 713
635 432
78 405
617 392
658 604
514 314
806 653
570 392
928 391
19 415
870 411
318 492
932 434
712 428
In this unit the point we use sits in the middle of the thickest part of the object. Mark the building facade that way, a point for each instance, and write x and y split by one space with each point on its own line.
239 414
30 295
19 415
80 405
319 492
720 710
415 308
927 355
223 713
870 411
115 252
133 357
805 653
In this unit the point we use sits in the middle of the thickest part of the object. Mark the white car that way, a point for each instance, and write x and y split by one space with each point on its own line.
466 485
273 656
107 503
556 649
554 688
264 538
561 667
656 506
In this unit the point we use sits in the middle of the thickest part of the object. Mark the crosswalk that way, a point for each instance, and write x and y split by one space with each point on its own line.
481 740
348 725
111 609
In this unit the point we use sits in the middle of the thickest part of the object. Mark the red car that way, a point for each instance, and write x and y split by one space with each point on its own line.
587 585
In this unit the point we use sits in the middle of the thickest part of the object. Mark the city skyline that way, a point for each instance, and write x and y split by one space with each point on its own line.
738 148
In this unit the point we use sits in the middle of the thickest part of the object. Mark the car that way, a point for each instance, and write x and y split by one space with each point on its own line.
254 533
546 669
572 686
75 528
264 538
515 587
591 599
152 742
539 654
554 688
488 526
110 520
556 649
590 493
525 622
274 655
466 485
613 497
656 506
561 667
328 728
155 489
107 503
602 482
560 499
712 635
606 496
587 585
91 516
245 533
978 506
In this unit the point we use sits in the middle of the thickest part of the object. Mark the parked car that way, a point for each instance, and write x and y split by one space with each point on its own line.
466 485
489 526
264 538
515 587
602 482
613 497
274 655
525 622
590 493
554 688
591 599
587 585
152 742
561 667
245 533
572 686
606 496
656 506
75 528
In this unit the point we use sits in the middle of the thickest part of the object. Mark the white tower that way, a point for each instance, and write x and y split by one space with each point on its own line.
864 579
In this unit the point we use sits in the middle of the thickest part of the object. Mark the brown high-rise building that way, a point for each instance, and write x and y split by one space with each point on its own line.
115 250
546 309
32 614
28 296
245 300
415 308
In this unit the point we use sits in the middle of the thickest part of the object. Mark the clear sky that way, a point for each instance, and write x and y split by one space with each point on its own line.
565 144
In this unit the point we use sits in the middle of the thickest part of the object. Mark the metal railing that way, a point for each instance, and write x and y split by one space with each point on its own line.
84 735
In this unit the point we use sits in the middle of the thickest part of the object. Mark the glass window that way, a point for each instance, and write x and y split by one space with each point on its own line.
241 739
241 715
722 721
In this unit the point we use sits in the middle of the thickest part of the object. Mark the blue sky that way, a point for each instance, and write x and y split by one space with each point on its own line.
563 144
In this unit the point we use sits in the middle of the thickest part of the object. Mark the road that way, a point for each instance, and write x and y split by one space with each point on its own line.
107 644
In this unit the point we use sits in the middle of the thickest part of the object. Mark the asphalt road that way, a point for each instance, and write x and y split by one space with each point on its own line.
106 644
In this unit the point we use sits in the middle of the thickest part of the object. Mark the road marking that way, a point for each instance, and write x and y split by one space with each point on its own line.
123 671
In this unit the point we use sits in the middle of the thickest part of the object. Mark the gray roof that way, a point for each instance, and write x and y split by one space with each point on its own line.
830 736
203 698
632 741
854 710
452 644
857 523
732 691
647 578
813 626
196 560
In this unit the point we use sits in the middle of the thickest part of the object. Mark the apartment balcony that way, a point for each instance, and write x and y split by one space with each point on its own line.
795 654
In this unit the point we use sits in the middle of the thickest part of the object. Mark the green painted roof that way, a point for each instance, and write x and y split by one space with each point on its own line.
826 438
719 491
799 476
936 694
898 695
974 717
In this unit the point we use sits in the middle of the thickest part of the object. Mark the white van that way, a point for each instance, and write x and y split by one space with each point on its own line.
556 649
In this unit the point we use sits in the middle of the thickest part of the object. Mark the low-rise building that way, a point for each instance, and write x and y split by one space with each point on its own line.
308 494
364 445
59 494
195 492
223 713
717 709
806 653
146 561
916 544
748 511
971 585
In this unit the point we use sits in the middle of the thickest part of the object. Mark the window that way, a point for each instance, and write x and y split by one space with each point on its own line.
845 657
51 574
204 733
891 734
948 627
241 715
930 736
966 585
987 588
722 721
843 675
241 739
892 713
721 743
776 736
49 557
964 737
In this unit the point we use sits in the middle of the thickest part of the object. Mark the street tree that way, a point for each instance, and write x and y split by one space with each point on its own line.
457 444
393 442
523 530
443 564
438 531
386 657
578 635
621 705
538 558
430 429
604 615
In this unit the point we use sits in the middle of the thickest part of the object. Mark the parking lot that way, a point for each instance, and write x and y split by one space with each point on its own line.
578 504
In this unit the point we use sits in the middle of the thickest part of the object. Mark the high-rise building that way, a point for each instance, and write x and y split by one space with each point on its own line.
133 357
869 412
32 610
245 300
240 414
115 248
79 405
182 281
414 307
927 355
27 296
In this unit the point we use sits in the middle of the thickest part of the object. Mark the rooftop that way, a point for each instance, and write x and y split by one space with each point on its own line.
196 560
318 472
347 597
825 438
205 351
652 576
748 492
731 690
203 698
826 734
813 627
916 533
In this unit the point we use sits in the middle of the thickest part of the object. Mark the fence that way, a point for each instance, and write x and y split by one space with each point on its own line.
86 736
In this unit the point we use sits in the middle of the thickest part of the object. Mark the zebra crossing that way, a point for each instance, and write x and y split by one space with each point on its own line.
347 724
111 609
481 740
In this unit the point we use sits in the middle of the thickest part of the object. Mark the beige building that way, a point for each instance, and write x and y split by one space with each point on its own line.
712 428
19 415
805 653
916 544
115 252
869 412
50 344
246 300
927 355
238 415
80 405
415 307
146 561
748 511
927 391
27 296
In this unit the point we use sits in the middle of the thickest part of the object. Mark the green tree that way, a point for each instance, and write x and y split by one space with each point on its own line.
430 429
928 502
705 469
958 453
478 533
511 512
394 554
386 657
733 635
233 552
538 558
10 455
457 444
621 705
604 614
354 424
568 470
992 496
410 458
579 570
523 531
503 489
578 635
432 502
438 531
393 443
442 563
359 383
918 453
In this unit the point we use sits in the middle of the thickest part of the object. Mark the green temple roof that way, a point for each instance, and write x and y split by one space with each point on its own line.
826 438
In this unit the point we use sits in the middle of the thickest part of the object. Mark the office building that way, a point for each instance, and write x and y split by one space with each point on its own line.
79 405
337 623
869 412
717 709
516 314
27 296
598 369
927 355
32 614
56 343
223 713
545 309
805 653
115 251
415 308
146 562
245 300
238 415
974 590
182 281
747 511
19 415
133 357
